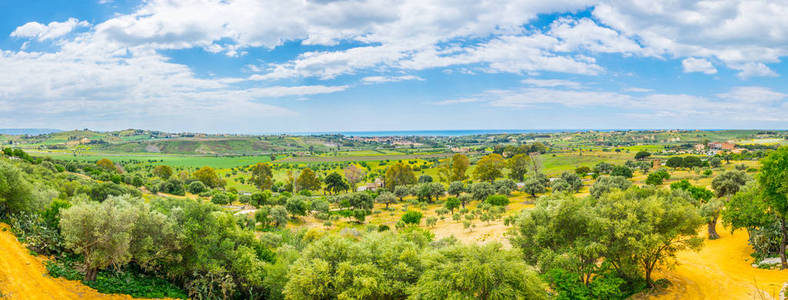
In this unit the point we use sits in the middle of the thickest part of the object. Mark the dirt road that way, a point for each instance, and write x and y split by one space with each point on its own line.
23 276
721 270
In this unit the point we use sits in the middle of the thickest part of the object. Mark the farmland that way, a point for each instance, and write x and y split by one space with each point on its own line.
282 197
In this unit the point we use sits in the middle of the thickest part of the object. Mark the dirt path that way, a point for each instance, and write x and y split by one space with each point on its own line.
23 276
721 270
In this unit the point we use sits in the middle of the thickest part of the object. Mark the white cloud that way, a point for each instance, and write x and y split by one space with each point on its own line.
382 79
638 90
751 69
753 94
458 101
50 31
552 83
743 34
741 104
692 64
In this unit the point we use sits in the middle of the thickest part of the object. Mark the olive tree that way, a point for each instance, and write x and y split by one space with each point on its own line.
478 272
100 232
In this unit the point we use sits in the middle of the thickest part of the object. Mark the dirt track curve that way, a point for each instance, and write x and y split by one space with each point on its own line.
721 270
23 276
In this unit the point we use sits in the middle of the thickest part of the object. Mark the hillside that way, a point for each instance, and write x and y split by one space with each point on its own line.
23 276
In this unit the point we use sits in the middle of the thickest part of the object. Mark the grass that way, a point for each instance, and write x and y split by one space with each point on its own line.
129 282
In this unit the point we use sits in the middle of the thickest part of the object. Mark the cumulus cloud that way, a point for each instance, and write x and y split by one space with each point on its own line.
50 31
744 35
117 67
698 65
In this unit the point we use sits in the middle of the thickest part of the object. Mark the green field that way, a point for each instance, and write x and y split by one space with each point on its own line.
174 160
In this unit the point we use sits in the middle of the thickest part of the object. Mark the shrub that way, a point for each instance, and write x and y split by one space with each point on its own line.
197 187
497 200
412 217
220 198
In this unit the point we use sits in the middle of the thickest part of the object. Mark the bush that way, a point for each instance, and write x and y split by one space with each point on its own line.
197 187
220 198
130 281
37 234
623 171
412 217
497 200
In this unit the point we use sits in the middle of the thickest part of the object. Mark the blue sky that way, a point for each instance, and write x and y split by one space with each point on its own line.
251 66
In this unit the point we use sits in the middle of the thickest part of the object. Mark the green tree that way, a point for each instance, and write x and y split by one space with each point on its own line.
387 198
574 181
481 190
163 171
518 166
399 174
647 227
335 183
197 187
209 177
534 186
478 272
715 162
297 206
262 176
100 232
452 203
379 266
641 155
464 199
606 184
504 186
425 179
16 193
456 188
155 238
458 166
621 171
724 185
656 178
637 230
675 162
774 181
603 168
107 164
260 198
402 191
489 167
308 181
582 171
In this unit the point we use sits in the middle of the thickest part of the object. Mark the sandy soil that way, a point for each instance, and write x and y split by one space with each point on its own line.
483 233
721 270
23 276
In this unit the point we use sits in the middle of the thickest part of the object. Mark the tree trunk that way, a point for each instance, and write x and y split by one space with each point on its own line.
782 243
90 274
713 235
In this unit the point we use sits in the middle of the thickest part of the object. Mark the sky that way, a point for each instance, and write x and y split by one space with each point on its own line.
257 66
